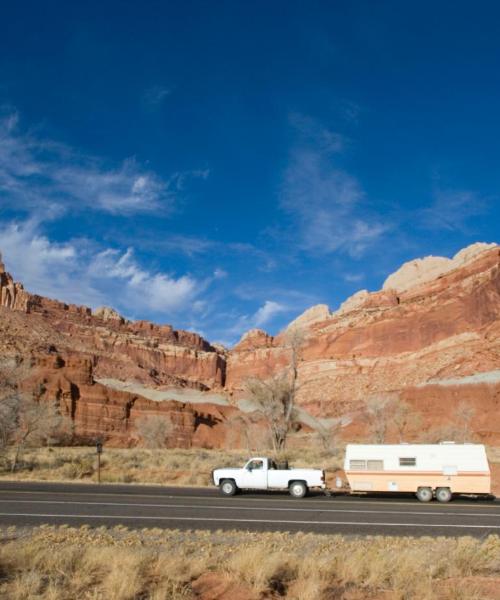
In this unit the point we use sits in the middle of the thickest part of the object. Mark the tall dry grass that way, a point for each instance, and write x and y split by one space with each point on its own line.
138 465
59 563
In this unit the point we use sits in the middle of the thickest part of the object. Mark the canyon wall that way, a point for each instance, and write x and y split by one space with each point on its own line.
430 337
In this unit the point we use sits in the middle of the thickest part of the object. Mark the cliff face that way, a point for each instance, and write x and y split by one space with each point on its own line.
418 341
430 337
98 411
140 350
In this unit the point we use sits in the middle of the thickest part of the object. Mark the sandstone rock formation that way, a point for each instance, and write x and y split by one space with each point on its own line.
396 341
108 314
431 337
320 312
422 270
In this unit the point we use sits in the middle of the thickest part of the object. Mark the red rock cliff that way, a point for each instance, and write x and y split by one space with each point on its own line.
431 336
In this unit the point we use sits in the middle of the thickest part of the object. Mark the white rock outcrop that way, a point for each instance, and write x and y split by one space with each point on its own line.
319 312
423 270
108 314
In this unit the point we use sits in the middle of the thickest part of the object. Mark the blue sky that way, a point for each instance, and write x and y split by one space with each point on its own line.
226 165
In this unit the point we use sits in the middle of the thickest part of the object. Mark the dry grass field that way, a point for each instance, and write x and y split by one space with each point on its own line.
167 466
62 563
138 465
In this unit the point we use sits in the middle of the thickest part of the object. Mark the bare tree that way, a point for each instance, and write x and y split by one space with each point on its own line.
405 419
154 431
329 434
275 397
463 418
376 416
273 400
37 423
8 418
9 402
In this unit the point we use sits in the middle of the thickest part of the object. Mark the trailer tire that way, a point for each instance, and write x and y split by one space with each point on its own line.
443 494
297 489
228 487
424 494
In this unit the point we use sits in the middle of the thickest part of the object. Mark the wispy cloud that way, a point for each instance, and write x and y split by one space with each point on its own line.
80 273
354 277
313 131
267 312
155 95
264 315
452 210
325 204
36 172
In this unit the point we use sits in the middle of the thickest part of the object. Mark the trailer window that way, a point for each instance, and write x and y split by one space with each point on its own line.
407 462
357 465
375 465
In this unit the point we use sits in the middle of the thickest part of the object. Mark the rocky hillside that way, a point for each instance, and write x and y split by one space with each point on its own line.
430 337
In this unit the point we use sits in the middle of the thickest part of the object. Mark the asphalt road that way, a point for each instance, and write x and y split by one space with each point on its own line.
195 508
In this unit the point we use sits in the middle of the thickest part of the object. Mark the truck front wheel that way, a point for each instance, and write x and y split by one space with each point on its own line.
228 487
297 489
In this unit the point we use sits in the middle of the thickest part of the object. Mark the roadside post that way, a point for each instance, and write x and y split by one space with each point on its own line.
99 452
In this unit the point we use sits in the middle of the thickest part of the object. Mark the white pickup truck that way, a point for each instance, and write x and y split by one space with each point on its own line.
263 474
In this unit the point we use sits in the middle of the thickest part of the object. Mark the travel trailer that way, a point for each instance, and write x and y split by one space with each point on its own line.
428 470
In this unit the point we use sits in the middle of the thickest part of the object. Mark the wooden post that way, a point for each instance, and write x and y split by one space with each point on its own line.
99 452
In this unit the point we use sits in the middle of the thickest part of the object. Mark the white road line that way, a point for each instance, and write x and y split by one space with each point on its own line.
236 507
223 520
270 498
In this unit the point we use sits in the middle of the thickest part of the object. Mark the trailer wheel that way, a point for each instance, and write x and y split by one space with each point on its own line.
297 489
424 494
228 487
443 494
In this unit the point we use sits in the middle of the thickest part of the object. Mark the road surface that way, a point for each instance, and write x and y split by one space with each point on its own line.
135 506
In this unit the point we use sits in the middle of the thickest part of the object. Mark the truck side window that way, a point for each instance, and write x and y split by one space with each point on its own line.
256 464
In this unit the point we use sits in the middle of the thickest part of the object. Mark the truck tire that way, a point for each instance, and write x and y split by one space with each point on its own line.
297 489
424 494
443 494
228 487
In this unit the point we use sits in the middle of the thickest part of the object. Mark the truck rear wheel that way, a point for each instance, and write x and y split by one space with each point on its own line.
228 487
443 494
297 489
424 494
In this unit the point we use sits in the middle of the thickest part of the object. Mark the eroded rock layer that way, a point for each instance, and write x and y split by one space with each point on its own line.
397 341
431 337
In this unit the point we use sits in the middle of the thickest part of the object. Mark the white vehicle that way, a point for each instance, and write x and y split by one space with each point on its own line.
428 470
263 474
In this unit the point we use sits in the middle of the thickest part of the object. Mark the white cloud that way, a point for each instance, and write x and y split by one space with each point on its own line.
76 272
326 206
44 267
264 315
452 209
36 173
142 289
267 312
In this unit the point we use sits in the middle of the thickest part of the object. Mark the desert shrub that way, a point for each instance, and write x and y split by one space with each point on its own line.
78 467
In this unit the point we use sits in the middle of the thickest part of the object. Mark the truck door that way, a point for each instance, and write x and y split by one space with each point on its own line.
255 475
